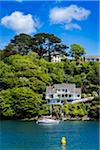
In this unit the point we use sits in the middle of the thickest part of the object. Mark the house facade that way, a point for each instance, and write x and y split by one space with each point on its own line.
91 58
61 93
55 57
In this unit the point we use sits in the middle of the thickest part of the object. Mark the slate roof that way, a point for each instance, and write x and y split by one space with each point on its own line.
78 90
71 87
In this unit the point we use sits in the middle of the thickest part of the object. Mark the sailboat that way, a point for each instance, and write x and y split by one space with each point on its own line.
48 121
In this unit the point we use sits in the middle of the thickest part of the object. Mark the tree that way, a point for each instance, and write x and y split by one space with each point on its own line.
23 80
9 50
19 102
1 54
22 43
76 51
44 43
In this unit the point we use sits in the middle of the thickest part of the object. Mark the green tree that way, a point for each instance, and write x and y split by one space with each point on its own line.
19 102
9 50
22 43
76 51
24 78
44 43
1 54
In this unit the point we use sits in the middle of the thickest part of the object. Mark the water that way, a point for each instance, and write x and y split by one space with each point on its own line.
24 135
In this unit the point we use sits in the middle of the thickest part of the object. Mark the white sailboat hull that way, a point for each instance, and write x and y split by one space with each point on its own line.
47 121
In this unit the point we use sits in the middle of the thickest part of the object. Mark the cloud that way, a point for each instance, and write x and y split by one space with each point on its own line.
65 15
20 23
71 26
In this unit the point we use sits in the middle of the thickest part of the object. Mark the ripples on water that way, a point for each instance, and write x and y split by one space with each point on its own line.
26 135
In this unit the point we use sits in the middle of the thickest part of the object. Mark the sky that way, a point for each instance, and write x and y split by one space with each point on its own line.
75 22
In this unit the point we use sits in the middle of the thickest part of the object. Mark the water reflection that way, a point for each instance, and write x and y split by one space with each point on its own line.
63 147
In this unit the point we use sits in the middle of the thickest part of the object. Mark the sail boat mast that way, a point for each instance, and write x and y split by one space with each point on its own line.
51 110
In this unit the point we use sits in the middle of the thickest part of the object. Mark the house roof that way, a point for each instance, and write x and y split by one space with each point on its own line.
71 87
97 57
64 85
54 54
50 89
77 90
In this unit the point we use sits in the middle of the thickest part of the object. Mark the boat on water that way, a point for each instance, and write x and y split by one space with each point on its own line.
47 121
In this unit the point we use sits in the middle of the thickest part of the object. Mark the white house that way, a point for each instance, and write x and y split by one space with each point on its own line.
91 58
55 57
59 93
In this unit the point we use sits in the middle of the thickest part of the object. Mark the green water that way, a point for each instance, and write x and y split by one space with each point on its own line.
24 135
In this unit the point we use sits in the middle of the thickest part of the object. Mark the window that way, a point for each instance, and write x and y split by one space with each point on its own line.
78 95
97 59
58 101
69 100
48 101
66 95
66 90
62 95
70 95
63 90
59 90
88 59
51 96
58 95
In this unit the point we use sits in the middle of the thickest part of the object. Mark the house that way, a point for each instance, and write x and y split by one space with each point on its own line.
91 58
59 93
55 57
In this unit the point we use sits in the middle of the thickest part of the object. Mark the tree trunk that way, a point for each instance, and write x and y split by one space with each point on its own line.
49 56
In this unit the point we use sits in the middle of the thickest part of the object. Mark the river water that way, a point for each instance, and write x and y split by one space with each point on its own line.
26 135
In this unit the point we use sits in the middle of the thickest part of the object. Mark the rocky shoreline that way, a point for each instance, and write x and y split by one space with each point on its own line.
68 118
85 118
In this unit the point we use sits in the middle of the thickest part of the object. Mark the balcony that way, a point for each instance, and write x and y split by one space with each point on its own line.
54 101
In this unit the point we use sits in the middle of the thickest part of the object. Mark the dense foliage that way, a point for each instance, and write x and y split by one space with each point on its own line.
24 79
90 109
24 76
41 43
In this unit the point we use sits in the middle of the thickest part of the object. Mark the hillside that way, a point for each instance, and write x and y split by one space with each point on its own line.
23 81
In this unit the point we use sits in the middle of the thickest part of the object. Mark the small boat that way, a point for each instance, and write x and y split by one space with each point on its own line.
47 121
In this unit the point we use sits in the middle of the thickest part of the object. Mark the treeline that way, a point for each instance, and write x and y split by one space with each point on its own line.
41 43
25 75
